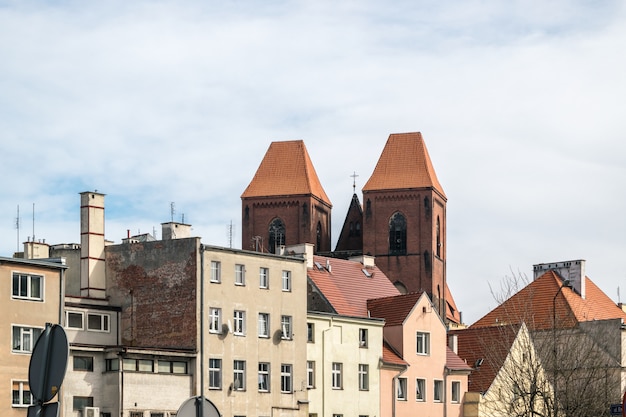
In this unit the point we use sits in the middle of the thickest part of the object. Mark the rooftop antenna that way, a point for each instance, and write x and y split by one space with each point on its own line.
17 226
230 234
33 222
354 175
182 218
172 211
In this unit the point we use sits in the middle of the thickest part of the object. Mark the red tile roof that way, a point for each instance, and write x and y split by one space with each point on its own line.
452 312
286 169
534 305
485 349
454 362
346 286
394 309
404 164
390 356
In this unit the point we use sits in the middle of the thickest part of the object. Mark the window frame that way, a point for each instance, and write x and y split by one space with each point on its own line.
28 278
286 327
240 275
364 378
401 389
215 320
438 391
422 343
32 332
310 374
239 323
286 281
88 361
23 388
420 389
336 375
363 336
104 320
286 378
264 377
239 374
264 278
265 319
81 314
215 374
310 332
455 394
216 272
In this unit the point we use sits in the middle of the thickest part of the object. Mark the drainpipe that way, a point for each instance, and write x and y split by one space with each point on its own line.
201 409
446 372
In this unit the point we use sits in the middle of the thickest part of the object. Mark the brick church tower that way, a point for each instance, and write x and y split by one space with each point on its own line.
404 220
285 203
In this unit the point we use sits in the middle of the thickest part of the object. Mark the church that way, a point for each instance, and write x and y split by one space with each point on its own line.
401 222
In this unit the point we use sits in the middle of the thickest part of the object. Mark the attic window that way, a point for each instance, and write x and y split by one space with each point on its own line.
367 273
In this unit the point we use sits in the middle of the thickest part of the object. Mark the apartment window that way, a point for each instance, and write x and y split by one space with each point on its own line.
310 332
79 403
264 325
27 287
337 377
157 414
239 375
264 277
83 363
172 367
74 320
240 323
285 327
215 320
438 391
456 392
136 414
286 280
216 271
364 378
24 338
423 343
401 389
310 374
215 373
420 389
285 378
21 394
138 365
264 377
98 322
363 338
240 274
112 364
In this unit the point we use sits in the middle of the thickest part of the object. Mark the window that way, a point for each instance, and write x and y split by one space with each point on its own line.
27 287
397 234
112 364
401 389
438 391
136 414
216 271
83 363
264 325
172 367
364 380
286 280
310 332
240 323
420 389
98 322
438 235
456 391
74 320
310 374
24 338
215 373
363 338
285 327
138 365
79 403
157 414
240 274
264 377
423 343
285 378
264 277
277 235
215 320
337 375
21 394
239 375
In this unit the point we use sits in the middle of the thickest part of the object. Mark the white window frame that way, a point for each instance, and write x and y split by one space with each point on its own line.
264 377
215 372
364 378
286 281
29 278
310 332
455 388
264 325
363 333
239 375
240 274
105 323
420 389
286 327
264 277
337 375
422 343
28 336
239 323
215 320
310 374
401 387
286 379
216 272
438 391
22 388
78 313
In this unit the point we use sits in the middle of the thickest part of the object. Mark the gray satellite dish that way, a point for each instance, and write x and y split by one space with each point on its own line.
48 363
195 407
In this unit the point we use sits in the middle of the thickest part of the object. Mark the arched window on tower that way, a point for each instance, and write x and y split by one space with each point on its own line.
438 233
397 234
357 229
318 237
277 234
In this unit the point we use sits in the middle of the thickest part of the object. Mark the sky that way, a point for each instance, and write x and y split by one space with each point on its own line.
521 105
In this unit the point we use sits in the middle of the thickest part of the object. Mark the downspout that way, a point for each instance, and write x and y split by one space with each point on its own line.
201 409
446 372
324 385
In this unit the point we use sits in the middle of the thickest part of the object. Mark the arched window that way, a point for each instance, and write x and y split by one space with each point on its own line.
397 234
277 234
438 233
351 230
357 229
318 235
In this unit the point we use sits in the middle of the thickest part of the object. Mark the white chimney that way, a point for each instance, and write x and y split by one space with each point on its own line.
92 263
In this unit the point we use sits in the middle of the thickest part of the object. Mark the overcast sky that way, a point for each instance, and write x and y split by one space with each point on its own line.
521 105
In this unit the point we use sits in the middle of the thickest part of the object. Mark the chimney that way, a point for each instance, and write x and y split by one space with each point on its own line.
574 271
173 230
453 343
304 249
92 263
368 261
